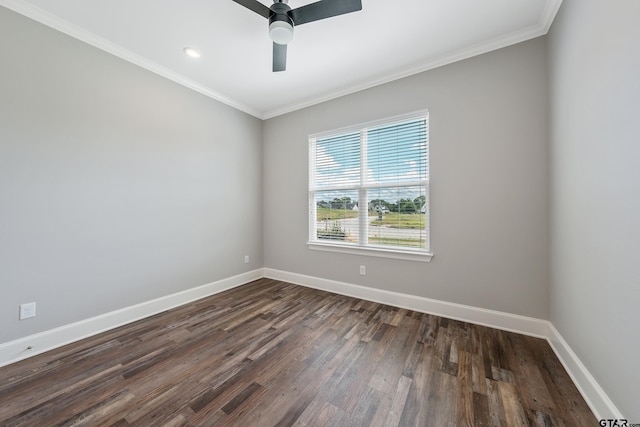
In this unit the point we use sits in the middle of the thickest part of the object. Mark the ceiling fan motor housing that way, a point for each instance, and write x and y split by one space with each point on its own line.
282 20
280 23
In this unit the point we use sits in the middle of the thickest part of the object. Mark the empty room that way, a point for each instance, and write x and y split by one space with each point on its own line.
320 213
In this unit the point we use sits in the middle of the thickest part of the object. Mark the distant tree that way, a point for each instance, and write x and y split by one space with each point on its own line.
406 206
340 202
420 202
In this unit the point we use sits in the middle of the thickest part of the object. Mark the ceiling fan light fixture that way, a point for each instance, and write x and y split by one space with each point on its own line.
281 30
282 19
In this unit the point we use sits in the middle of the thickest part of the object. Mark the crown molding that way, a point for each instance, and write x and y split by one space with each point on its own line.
541 28
549 13
85 36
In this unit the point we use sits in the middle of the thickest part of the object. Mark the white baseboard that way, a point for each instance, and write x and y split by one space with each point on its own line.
591 391
480 316
593 394
32 345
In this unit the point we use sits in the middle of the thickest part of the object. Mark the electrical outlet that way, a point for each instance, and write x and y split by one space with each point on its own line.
27 310
246 259
363 270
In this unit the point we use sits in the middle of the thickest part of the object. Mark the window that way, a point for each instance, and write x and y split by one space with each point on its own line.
369 189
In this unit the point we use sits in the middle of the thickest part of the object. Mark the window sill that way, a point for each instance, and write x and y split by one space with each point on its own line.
373 251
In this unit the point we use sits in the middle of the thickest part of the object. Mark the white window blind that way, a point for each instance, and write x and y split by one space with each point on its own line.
368 186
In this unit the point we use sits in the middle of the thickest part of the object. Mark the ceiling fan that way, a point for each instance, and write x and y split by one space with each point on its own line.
282 19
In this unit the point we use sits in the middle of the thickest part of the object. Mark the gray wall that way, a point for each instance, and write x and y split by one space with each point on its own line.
117 186
489 183
595 192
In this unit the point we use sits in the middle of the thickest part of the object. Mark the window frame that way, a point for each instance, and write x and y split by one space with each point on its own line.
363 247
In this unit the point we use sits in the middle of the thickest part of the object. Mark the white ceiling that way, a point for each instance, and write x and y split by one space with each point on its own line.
385 41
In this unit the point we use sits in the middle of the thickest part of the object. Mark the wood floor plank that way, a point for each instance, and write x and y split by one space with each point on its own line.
417 407
465 412
513 409
398 402
271 353
496 407
481 412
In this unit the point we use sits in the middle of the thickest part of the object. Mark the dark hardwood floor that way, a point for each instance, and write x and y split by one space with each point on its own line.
275 354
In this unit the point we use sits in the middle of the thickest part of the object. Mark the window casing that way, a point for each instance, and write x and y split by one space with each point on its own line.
369 188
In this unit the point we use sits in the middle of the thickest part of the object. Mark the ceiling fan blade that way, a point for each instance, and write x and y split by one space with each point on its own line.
256 6
323 9
279 57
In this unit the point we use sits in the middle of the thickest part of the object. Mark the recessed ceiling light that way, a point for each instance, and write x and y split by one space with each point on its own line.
191 52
